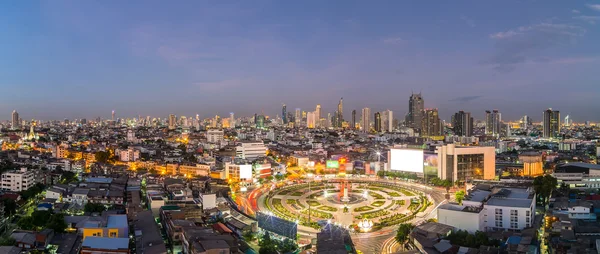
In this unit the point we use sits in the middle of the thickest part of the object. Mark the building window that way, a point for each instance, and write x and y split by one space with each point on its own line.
499 224
498 211
112 234
514 225
514 212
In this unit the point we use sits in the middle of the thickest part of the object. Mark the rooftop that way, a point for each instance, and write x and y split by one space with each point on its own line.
105 243
117 221
509 202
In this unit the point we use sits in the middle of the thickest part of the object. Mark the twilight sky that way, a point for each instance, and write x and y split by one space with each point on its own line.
74 59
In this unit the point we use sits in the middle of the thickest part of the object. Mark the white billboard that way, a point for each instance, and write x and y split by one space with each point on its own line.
246 172
409 160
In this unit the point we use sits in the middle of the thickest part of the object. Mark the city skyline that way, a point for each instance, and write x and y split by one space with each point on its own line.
83 59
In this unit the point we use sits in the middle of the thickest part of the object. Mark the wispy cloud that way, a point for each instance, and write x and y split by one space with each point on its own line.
575 11
589 19
466 98
393 40
526 43
467 20
594 6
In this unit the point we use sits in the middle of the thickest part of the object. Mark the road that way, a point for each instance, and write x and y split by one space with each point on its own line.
381 241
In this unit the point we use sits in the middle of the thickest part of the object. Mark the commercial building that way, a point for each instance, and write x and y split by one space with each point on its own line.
16 123
387 119
172 122
578 175
416 105
250 150
353 123
317 116
18 180
462 122
551 123
495 209
340 113
466 162
130 154
365 121
215 136
377 120
493 121
533 163
311 120
431 126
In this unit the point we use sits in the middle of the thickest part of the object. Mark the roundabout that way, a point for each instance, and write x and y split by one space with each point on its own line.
360 206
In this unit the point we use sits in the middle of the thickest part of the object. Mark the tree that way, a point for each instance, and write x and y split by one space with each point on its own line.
33 191
182 147
10 207
267 245
403 232
26 223
57 223
7 241
40 218
94 208
102 156
459 195
543 186
68 177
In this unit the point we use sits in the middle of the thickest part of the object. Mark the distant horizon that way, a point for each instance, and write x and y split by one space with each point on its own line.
83 59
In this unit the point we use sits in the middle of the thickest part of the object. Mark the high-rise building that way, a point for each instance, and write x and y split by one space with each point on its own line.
377 120
172 122
551 123
231 120
318 116
415 111
387 120
340 113
462 122
260 121
365 123
297 117
113 115
353 123
493 121
465 163
328 120
284 114
568 121
431 123
525 122
16 124
311 120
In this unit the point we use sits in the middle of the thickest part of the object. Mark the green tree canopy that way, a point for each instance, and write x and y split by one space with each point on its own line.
459 195
543 186
403 232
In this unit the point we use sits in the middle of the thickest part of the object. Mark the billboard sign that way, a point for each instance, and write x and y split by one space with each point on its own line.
408 160
333 164
245 171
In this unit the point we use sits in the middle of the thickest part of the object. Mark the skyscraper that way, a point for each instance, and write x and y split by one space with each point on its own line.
284 114
16 124
113 115
431 123
551 123
172 122
387 119
415 111
328 120
365 123
311 120
297 117
231 120
493 121
463 124
340 113
568 121
318 116
525 122
377 120
353 123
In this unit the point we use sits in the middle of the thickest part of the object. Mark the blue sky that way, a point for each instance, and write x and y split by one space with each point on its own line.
74 59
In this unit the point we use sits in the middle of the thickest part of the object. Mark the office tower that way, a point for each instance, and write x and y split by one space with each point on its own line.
365 123
231 120
431 123
298 117
568 121
415 111
113 115
311 120
340 113
16 124
353 123
260 121
318 116
377 120
551 123
387 120
172 122
284 114
463 124
493 121
328 120
525 122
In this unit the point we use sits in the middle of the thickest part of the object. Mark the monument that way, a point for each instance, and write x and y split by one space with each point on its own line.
344 189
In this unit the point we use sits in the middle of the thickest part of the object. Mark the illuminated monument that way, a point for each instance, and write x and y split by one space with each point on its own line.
344 190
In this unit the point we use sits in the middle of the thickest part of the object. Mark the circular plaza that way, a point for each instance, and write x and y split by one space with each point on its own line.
362 206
